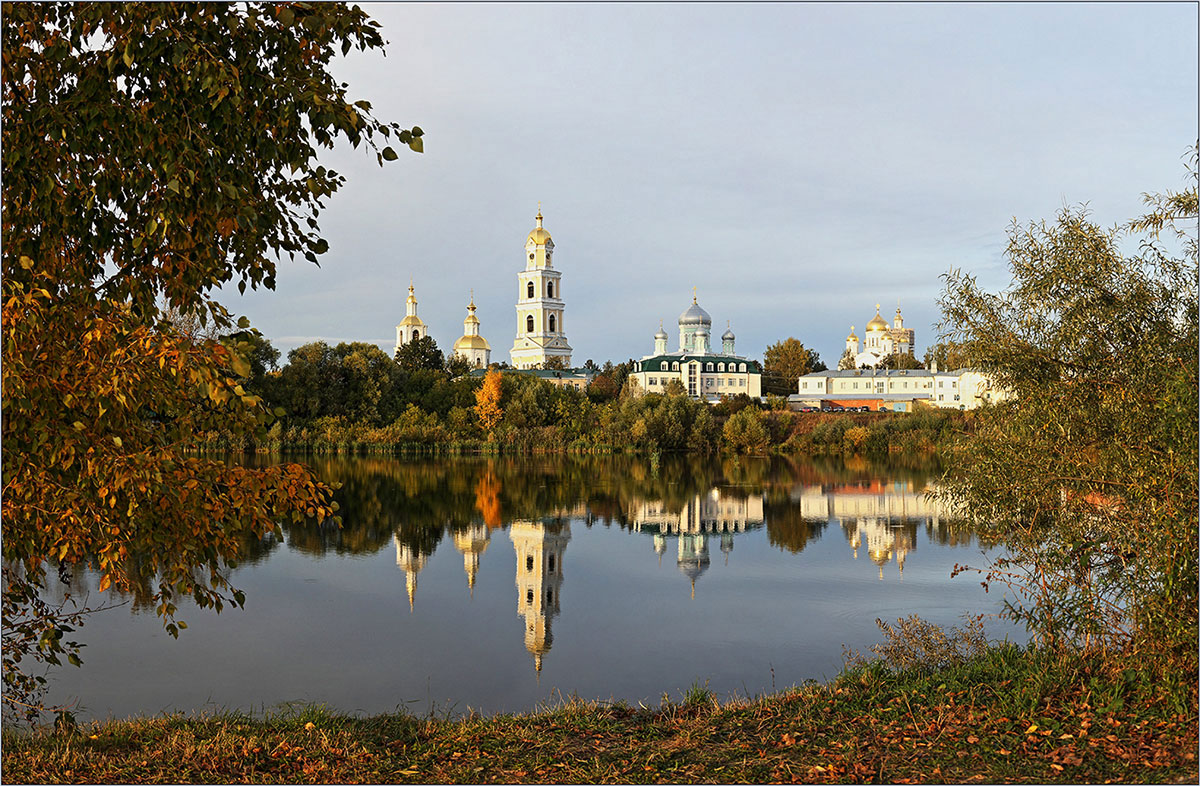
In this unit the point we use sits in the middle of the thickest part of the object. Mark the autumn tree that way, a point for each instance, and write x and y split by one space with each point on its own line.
847 361
1089 475
487 402
151 153
899 361
784 363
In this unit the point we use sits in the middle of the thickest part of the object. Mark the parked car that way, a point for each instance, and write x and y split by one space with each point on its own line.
884 409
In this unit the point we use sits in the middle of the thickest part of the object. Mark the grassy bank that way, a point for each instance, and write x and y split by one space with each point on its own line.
1007 715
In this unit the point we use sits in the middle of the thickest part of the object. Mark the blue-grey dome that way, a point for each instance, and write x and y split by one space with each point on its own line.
694 316
727 335
661 334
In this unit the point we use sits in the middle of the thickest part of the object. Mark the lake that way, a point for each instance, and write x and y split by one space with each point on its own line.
502 584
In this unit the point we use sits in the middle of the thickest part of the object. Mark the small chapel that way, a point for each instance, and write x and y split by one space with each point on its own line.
882 340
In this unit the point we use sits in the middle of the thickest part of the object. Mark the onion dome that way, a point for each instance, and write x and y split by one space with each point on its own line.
661 334
539 236
728 335
472 342
694 315
852 336
877 322
702 331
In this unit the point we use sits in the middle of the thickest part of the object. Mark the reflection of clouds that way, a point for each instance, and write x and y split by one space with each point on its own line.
713 513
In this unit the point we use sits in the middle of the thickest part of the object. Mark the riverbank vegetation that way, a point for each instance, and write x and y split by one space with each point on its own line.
997 715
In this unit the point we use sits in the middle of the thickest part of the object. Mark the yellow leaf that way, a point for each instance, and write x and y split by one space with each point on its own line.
1032 728
105 581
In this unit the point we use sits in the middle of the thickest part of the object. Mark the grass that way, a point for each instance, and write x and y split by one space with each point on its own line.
1008 715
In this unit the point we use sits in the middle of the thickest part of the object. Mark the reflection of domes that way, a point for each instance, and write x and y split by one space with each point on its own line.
695 315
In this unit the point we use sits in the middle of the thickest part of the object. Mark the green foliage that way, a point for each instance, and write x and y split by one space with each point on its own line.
900 360
420 354
151 153
745 432
948 355
1090 475
784 362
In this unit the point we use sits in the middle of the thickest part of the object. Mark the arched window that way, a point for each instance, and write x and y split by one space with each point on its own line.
529 322
549 289
664 365
720 367
551 323
741 367
675 366
549 596
708 367
529 290
529 597
551 562
416 335
529 564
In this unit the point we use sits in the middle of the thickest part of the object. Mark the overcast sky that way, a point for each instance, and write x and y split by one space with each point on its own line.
796 163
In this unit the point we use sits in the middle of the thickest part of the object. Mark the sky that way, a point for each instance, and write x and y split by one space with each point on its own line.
795 163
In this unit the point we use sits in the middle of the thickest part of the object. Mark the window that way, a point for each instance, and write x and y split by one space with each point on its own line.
720 367
549 289
742 382
549 596
742 367
653 380
663 366
551 323
551 563
416 335
708 366
529 597
529 290
675 366
804 385
529 322
529 564
708 382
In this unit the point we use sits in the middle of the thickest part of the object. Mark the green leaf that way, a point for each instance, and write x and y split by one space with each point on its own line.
389 154
174 185
417 145
243 322
117 441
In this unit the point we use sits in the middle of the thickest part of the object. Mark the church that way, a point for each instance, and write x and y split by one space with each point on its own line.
541 337
882 340
705 373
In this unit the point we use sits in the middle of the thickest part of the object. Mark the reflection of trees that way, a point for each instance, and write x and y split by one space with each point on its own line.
787 529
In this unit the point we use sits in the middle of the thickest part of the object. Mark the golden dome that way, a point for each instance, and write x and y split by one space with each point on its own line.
852 337
472 342
413 320
539 235
877 322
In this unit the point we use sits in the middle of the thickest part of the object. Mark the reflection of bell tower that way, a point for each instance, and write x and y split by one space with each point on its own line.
472 542
539 549
411 561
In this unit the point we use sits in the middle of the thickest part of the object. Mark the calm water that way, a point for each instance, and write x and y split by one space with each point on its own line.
502 584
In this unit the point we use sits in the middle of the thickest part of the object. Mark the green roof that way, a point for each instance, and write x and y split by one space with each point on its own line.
652 364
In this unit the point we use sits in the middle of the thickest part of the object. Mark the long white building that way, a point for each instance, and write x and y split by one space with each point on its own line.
897 390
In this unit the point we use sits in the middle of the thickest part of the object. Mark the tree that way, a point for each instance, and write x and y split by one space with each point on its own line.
420 353
847 360
948 355
457 365
151 153
899 360
745 431
784 363
557 362
487 402
1090 475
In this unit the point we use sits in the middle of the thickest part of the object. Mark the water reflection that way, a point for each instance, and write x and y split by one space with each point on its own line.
754 573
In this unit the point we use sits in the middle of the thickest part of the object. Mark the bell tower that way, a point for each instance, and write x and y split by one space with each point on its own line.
541 334
539 549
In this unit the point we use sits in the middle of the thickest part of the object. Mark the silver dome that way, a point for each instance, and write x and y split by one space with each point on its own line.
694 316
